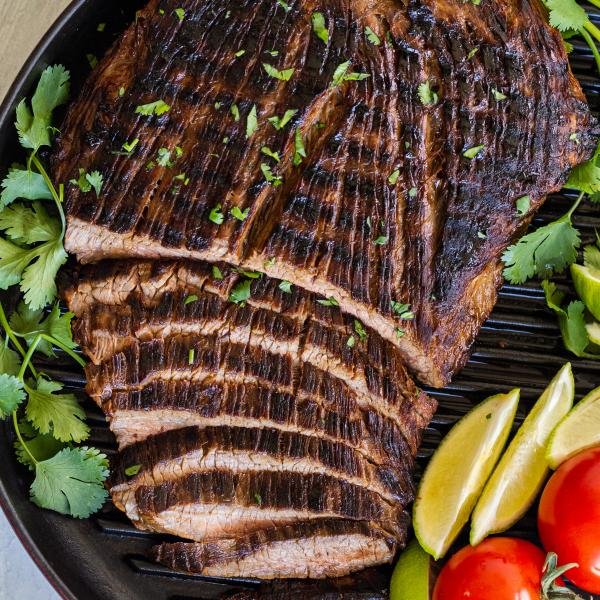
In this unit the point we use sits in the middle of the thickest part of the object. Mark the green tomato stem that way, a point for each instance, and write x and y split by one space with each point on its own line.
20 437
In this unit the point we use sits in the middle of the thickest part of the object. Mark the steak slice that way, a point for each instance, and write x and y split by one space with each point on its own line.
177 453
221 503
166 405
321 549
384 208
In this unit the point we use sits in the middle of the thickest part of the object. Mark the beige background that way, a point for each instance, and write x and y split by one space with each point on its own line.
22 24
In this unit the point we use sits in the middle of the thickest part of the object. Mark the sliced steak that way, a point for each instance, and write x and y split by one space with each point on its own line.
327 548
223 503
384 207
177 453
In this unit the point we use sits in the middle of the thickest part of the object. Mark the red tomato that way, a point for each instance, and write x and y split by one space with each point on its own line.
569 518
499 568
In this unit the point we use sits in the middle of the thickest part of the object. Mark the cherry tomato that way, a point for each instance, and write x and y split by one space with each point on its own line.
569 518
499 568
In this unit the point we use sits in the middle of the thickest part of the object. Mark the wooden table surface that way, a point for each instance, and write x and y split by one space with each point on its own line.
22 24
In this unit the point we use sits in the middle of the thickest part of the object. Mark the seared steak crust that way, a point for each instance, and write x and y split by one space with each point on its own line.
318 550
442 220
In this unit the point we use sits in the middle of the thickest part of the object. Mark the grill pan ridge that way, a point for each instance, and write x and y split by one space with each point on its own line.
103 558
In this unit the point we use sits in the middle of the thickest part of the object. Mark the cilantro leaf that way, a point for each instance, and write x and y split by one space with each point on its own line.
42 445
274 180
566 15
34 124
426 95
251 122
341 74
59 414
319 27
216 273
498 96
360 330
235 111
393 177
586 176
10 361
280 123
21 183
284 75
382 240
299 149
372 37
157 108
546 250
132 470
96 180
241 292
11 394
71 482
38 282
180 12
28 323
570 322
29 225
329 302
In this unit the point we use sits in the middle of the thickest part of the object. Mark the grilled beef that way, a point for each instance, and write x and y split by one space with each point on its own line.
177 453
248 420
370 199
327 548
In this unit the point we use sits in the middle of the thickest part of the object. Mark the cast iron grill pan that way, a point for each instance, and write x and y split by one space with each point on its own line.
103 558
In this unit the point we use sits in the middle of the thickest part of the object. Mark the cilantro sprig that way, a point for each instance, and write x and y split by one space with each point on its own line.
47 421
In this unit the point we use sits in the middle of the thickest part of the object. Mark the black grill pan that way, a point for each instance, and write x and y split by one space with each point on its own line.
103 558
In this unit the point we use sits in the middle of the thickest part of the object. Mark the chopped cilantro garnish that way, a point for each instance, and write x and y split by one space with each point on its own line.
157 108
329 302
360 330
216 215
130 146
472 52
473 152
164 158
399 332
180 12
341 74
132 470
412 192
284 75
241 292
280 123
426 95
402 310
251 122
92 60
269 262
235 111
284 5
101 27
299 149
522 205
238 214
191 298
286 287
372 36
240 53
274 180
87 181
273 53
191 356
318 23
268 152
351 342
216 273
499 96
393 177
382 240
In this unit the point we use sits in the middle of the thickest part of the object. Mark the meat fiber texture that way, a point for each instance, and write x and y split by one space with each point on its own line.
369 198
257 431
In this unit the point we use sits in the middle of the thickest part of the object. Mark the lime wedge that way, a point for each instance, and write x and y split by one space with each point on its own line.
458 471
521 472
587 286
412 577
579 430
593 331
